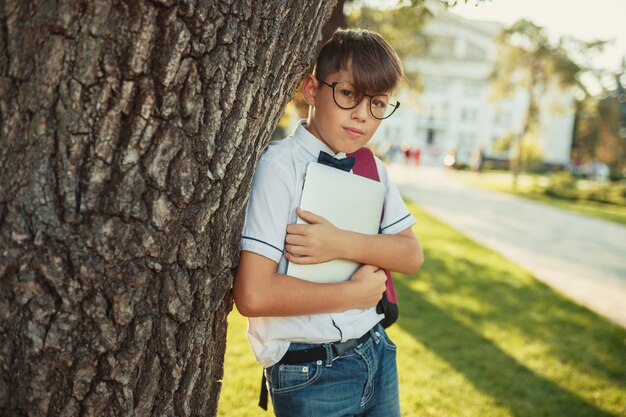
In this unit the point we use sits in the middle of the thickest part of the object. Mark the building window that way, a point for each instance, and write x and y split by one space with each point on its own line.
469 114
442 47
430 136
475 52
502 118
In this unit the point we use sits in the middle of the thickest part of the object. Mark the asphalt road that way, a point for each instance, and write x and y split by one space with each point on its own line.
581 256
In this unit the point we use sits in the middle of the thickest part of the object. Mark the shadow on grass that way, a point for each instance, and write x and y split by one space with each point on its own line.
516 300
479 295
487 367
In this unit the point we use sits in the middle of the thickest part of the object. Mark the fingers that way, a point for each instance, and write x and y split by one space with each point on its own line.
301 255
309 217
370 284
369 269
379 274
296 250
300 260
369 272
297 229
295 239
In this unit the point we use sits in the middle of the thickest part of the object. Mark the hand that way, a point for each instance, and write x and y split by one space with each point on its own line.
313 243
369 285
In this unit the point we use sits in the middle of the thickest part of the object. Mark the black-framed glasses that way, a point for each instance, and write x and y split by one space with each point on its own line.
346 97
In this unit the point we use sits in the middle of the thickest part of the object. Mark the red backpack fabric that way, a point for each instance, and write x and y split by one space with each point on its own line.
365 166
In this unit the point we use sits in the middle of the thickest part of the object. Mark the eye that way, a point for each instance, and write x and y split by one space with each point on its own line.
379 102
346 92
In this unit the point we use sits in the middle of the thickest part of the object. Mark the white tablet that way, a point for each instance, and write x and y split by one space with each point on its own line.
350 202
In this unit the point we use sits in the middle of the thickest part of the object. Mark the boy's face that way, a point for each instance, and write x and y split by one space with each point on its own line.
340 129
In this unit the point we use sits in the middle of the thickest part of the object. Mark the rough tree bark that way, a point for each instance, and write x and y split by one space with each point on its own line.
130 131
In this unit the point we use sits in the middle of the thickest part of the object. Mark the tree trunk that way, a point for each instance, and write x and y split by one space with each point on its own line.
129 136
336 20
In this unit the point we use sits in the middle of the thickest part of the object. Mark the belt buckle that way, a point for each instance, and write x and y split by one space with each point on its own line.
341 348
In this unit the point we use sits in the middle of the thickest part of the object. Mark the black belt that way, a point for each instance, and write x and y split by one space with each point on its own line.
296 357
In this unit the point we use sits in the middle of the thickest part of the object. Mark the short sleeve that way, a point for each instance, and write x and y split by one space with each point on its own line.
397 216
268 211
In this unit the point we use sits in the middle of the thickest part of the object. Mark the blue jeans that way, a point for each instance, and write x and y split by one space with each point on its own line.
363 382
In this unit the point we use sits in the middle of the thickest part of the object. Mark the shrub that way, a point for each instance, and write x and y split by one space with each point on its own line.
565 185
562 185
611 193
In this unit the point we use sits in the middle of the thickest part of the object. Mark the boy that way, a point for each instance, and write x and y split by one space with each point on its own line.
322 348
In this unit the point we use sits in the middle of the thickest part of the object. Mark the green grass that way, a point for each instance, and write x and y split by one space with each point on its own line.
529 186
477 337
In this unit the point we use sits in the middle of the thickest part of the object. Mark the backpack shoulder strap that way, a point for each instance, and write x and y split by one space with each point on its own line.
365 164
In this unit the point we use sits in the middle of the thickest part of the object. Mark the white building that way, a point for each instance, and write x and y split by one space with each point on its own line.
455 113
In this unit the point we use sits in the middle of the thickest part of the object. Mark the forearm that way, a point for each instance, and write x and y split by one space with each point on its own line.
259 291
284 295
397 252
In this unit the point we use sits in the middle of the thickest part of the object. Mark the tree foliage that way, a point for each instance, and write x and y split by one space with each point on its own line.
601 127
527 59
402 27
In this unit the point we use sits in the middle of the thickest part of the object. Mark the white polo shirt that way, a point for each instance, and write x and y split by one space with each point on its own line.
276 192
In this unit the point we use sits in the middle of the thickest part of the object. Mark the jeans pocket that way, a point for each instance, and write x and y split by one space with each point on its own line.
289 378
387 341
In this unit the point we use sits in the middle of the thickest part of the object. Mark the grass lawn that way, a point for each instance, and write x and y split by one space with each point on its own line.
529 185
477 337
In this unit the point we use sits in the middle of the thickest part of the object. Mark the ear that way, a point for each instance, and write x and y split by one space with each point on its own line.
309 89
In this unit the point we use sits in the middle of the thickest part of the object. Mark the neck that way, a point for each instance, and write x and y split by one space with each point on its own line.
312 128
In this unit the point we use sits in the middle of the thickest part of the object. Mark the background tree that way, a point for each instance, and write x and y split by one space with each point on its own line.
129 133
401 26
527 59
601 128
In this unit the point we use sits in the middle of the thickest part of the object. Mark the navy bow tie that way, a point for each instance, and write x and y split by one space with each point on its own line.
344 164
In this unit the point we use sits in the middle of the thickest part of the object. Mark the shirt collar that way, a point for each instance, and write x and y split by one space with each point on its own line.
311 143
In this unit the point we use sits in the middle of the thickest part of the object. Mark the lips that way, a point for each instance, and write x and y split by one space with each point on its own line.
353 131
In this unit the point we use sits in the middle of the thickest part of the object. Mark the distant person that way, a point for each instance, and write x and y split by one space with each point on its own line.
397 154
416 154
478 160
407 154
324 352
599 171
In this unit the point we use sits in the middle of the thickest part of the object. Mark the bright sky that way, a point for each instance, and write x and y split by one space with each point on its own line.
581 19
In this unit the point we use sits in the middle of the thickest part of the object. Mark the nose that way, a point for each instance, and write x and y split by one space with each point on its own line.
361 110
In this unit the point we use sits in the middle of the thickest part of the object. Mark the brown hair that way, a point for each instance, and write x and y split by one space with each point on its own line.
375 65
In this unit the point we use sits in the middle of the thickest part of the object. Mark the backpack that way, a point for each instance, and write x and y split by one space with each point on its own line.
365 166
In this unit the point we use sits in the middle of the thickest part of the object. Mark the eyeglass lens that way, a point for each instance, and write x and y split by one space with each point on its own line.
347 98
